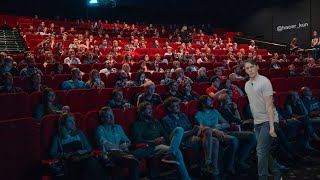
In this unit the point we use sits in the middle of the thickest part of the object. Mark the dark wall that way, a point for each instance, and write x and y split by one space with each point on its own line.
283 22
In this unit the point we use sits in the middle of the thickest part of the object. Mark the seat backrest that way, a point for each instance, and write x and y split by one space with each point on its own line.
14 105
20 148
82 100
59 79
161 89
112 79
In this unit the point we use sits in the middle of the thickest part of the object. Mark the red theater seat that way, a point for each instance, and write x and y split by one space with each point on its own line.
112 78
82 100
15 105
20 148
59 79
161 89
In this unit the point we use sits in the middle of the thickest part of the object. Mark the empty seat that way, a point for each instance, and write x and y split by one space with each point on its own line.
82 100
20 148
15 105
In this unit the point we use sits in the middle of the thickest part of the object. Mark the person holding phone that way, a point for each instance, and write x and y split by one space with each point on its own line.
266 120
94 80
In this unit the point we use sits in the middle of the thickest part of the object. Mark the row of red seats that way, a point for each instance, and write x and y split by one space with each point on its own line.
22 104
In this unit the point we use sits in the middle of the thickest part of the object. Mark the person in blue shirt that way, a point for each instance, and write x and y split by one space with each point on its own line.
74 82
112 139
243 141
311 103
30 69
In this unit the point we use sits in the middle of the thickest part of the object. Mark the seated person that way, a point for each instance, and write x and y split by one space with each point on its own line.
111 138
126 68
234 91
57 69
118 101
292 71
306 71
274 63
181 78
311 103
202 76
35 83
49 105
70 143
194 136
167 79
149 95
230 112
90 58
175 65
104 44
147 129
295 109
141 78
75 82
186 93
108 68
243 141
213 91
72 59
8 67
8 86
94 81
235 76
173 90
155 66
30 69
191 66
123 80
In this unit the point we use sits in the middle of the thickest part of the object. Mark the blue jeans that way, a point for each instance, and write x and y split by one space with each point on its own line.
175 138
315 53
247 141
265 160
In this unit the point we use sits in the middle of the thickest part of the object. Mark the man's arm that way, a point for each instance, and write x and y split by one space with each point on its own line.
269 108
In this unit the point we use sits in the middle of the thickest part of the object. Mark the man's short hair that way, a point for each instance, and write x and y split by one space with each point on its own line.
102 111
167 103
235 67
251 61
213 79
142 106
148 83
115 91
202 100
222 98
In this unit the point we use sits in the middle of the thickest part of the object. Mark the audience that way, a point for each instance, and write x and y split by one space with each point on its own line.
112 140
149 130
173 90
70 143
108 68
202 76
94 81
8 86
194 136
213 91
8 67
311 103
141 78
167 79
187 94
181 78
149 95
123 80
49 105
241 141
117 100
35 83
235 76
75 82
30 69
71 59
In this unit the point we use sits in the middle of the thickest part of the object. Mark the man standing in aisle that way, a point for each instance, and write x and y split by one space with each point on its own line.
260 95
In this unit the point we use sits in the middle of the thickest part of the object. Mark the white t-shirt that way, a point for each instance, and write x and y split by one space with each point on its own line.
256 91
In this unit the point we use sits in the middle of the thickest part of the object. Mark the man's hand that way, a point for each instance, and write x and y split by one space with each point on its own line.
123 146
159 140
272 133
219 134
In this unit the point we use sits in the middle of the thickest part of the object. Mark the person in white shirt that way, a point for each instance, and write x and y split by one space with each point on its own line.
108 68
266 120
71 59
